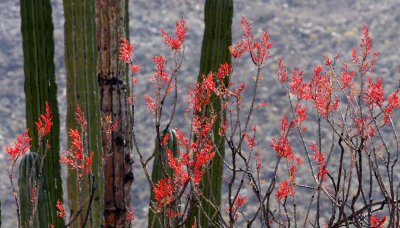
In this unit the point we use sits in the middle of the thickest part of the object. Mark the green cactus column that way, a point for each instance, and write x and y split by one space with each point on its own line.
112 24
214 52
40 86
82 90
29 178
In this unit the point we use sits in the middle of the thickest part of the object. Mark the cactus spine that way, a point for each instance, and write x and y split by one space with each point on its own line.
214 52
82 90
40 86
160 160
29 179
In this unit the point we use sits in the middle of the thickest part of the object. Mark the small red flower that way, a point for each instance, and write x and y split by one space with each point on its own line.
374 94
21 146
393 103
45 122
285 190
60 209
131 214
180 33
126 50
377 222
319 157
282 73
75 157
282 147
164 192
240 201
80 118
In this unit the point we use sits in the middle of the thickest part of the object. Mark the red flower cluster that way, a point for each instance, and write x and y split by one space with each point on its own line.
180 33
164 192
80 118
298 87
259 51
160 75
377 222
125 54
239 202
285 190
125 51
393 103
45 122
282 147
374 94
131 214
321 88
75 157
21 146
60 209
319 157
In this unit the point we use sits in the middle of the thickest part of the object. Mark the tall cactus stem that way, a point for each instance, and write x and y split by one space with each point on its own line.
82 90
31 185
40 86
214 52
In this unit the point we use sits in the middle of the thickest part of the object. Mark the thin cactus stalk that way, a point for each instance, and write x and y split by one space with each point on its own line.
31 185
160 163
111 25
40 86
214 52
82 90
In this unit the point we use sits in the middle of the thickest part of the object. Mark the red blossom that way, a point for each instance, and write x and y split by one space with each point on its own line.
239 202
160 75
285 190
178 166
251 142
21 146
126 50
284 124
374 94
319 157
164 192
377 222
246 27
393 103
150 104
130 216
282 147
134 68
282 73
80 118
45 122
366 42
60 209
203 156
321 93
347 77
354 56
75 156
180 33
224 70
364 129
298 87
328 62
237 49
302 112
